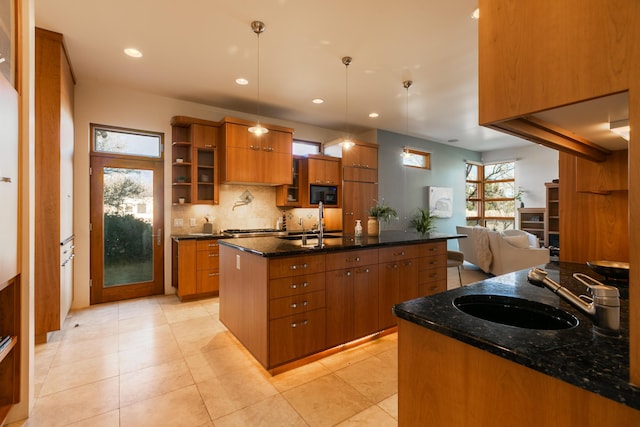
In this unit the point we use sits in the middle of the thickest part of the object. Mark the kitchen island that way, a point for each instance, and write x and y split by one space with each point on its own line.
457 369
285 300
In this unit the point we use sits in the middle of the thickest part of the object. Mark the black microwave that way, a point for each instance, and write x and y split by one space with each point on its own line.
327 194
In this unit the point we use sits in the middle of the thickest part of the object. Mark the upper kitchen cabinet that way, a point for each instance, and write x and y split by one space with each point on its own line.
251 159
54 149
294 194
194 155
323 170
535 56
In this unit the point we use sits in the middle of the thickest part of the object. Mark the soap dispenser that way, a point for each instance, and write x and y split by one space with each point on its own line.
358 229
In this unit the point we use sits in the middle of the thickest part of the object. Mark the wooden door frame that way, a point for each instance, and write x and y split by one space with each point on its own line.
99 294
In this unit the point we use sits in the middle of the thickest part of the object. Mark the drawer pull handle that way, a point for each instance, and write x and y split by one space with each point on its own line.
213 274
295 267
304 304
295 325
401 253
212 245
408 263
210 255
348 273
208 146
268 149
295 286
255 147
356 259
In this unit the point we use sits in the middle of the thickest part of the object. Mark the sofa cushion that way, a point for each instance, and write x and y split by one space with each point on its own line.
521 241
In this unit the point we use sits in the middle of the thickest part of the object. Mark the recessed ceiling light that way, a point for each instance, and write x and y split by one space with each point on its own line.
133 52
242 81
317 100
374 115
476 14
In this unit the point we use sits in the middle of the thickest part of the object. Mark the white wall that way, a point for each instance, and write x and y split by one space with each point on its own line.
535 165
108 105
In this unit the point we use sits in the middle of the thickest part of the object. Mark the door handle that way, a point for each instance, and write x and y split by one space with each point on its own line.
158 236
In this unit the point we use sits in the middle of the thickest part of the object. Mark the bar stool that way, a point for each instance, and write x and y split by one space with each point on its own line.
455 259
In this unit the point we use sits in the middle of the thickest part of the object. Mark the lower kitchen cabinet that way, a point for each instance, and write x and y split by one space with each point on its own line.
352 296
398 280
195 272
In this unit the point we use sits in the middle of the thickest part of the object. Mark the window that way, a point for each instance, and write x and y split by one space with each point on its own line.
490 192
416 158
129 142
303 148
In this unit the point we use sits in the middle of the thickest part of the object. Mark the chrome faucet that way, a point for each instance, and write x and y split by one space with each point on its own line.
304 236
320 226
603 307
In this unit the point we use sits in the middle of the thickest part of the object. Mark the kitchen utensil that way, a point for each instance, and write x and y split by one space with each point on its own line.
613 270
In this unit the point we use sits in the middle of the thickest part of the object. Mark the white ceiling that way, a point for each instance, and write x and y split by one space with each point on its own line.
195 49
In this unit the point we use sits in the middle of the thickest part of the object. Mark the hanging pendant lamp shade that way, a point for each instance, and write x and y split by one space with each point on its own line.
258 27
346 140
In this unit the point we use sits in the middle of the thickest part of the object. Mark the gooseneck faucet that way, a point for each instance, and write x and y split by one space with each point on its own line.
320 226
603 307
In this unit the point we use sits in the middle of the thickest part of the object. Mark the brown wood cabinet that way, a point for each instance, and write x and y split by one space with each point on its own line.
251 159
294 194
323 170
603 177
195 269
352 295
398 280
54 146
194 157
10 304
533 220
552 215
284 309
357 198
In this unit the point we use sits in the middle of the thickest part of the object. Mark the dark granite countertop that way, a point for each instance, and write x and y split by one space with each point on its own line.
281 246
577 356
197 236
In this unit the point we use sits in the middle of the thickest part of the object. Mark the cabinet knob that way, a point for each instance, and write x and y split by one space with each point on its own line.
295 305
255 147
213 274
295 267
303 323
213 255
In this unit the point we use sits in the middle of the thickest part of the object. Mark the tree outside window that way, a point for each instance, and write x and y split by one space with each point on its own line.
490 192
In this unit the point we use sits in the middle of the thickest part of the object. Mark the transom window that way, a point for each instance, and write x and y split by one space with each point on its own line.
303 148
490 194
416 159
113 140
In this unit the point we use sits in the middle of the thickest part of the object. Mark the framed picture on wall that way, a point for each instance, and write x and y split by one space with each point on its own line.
441 201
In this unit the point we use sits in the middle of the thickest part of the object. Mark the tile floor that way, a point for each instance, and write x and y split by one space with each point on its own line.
158 362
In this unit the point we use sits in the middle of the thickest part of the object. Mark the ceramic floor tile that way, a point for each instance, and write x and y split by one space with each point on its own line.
182 407
176 314
109 419
76 404
345 358
89 331
272 412
372 416
382 344
138 307
298 376
145 356
140 323
74 351
153 381
390 406
147 337
224 357
372 377
326 401
228 393
81 372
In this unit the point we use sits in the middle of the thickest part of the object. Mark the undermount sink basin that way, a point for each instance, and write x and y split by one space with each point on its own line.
517 312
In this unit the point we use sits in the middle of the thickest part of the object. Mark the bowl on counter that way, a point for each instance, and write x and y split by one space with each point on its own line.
611 270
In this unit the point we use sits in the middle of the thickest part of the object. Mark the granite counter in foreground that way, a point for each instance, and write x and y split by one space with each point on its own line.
284 246
576 356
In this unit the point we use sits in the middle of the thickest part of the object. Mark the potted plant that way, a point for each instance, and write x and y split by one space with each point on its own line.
423 222
379 213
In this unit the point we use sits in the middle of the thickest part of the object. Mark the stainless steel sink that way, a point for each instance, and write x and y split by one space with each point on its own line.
517 312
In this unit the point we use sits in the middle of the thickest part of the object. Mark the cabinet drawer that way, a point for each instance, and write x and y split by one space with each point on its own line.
207 245
398 253
361 174
430 249
296 266
430 262
338 261
293 337
288 286
433 287
208 260
432 275
208 281
288 306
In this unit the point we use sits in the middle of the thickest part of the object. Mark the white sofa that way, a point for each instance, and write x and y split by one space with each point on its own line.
501 252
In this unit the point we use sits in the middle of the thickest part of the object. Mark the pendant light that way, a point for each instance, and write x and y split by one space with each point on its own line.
346 141
407 84
258 28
